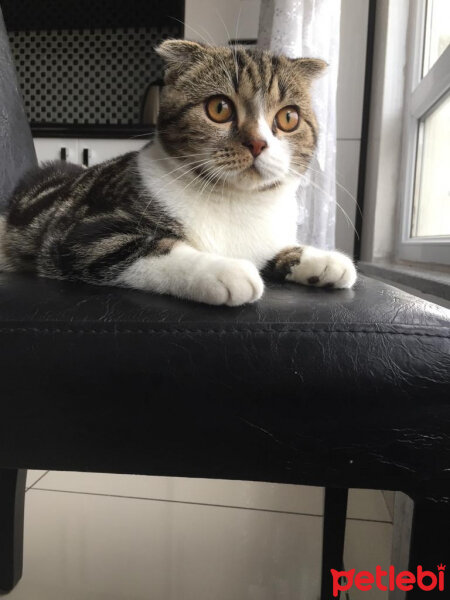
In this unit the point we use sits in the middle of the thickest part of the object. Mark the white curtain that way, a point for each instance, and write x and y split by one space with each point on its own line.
310 28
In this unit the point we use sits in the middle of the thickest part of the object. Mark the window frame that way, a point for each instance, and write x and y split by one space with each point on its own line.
422 96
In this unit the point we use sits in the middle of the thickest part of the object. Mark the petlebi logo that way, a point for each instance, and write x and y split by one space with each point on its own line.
388 580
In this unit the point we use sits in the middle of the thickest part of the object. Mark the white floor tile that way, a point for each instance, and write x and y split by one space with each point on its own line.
287 498
33 476
85 547
389 499
366 546
367 504
363 504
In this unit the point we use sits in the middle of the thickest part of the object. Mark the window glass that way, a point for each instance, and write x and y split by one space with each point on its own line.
431 210
437 32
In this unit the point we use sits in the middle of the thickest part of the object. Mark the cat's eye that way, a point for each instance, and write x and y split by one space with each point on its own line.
288 118
219 109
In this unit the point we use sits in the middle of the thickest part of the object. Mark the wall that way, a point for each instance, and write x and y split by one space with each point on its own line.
385 129
354 15
216 21
204 23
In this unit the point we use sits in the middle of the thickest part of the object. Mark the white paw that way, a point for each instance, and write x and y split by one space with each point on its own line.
323 268
228 281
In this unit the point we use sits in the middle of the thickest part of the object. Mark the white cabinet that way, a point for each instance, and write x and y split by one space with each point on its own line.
96 151
84 151
56 149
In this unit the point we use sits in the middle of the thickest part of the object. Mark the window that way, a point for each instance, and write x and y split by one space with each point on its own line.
437 32
431 204
425 175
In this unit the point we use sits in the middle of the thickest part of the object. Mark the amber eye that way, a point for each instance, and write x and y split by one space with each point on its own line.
288 118
219 109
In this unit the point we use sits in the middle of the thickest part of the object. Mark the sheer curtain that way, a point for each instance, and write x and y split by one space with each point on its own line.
310 28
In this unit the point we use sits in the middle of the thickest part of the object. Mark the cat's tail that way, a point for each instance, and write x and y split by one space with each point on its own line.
5 264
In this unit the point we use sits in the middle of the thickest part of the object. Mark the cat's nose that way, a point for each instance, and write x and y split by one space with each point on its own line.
255 146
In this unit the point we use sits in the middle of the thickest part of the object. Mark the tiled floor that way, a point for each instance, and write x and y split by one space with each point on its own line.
113 537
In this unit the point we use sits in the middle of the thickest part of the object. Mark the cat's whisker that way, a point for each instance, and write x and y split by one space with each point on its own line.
236 37
233 47
207 179
341 208
181 156
140 135
153 134
188 167
208 42
180 166
184 166
344 212
196 166
212 173
339 185
221 61
219 177
223 187
226 71
212 184
211 38
217 173
201 174
237 23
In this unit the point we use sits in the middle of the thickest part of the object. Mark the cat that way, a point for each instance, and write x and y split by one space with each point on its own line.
205 210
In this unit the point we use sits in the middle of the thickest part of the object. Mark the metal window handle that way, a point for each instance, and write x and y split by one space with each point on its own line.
63 154
85 158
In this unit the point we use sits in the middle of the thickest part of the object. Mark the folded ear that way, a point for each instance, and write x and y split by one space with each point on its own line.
310 67
177 53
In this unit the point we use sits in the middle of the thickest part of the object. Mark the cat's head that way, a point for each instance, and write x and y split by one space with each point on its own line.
239 117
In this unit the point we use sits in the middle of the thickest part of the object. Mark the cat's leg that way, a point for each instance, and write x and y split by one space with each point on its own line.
188 273
311 266
5 264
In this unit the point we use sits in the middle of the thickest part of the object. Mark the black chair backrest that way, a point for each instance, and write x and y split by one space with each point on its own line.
17 154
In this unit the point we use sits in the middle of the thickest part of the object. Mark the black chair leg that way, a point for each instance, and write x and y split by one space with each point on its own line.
430 545
12 500
335 513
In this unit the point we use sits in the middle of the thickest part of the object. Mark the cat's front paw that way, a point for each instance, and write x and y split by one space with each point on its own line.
323 268
230 281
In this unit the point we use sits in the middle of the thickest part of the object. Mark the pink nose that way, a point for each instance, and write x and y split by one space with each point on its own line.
255 146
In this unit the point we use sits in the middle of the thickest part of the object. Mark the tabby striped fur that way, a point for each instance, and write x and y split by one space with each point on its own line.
195 213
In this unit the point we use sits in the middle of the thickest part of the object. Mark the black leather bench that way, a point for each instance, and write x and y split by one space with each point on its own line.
333 388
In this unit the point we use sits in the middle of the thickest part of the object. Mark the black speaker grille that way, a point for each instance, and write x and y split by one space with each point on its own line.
95 76
33 15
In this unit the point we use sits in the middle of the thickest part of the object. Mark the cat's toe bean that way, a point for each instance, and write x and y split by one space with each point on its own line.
322 268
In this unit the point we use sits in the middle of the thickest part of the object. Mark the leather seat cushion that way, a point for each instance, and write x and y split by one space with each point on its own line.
304 384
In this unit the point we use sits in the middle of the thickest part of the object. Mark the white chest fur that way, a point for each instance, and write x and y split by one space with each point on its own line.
253 225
